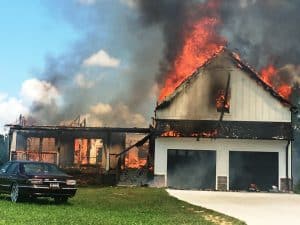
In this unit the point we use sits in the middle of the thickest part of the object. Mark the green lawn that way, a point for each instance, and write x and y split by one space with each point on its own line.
111 206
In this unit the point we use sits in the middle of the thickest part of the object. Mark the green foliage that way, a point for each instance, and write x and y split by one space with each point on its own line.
109 206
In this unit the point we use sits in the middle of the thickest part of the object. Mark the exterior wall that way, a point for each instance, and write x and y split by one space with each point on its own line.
251 102
222 147
248 100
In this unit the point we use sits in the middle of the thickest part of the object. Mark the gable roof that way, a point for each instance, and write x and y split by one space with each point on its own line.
241 65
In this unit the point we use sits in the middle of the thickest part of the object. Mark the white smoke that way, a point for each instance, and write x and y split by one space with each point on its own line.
116 115
10 109
87 2
130 3
101 59
101 109
39 91
83 82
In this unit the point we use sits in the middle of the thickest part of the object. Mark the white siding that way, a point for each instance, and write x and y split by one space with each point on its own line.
249 101
222 147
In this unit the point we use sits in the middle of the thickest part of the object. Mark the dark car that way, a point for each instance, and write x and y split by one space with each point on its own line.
24 179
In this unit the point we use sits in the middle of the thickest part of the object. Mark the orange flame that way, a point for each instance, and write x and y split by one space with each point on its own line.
268 75
200 44
285 91
220 102
135 163
171 133
206 134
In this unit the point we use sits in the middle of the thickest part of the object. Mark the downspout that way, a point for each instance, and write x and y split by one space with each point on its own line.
287 166
294 111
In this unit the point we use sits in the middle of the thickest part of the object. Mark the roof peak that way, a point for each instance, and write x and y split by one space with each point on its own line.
242 65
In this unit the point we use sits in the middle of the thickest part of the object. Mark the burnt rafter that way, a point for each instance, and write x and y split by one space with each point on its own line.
137 144
70 128
58 131
229 129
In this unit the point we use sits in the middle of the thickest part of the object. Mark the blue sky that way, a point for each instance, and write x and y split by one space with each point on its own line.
29 32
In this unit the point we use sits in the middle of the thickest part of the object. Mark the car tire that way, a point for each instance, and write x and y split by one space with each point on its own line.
32 198
61 200
14 193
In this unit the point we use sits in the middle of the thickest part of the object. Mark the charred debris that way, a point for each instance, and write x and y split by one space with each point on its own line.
100 152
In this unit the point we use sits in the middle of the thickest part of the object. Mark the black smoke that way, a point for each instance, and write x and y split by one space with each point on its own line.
175 19
263 31
128 87
149 36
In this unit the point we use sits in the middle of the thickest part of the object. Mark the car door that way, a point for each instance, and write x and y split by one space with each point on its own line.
10 176
3 175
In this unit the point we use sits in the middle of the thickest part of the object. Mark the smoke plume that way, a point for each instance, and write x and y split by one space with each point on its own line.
118 70
145 37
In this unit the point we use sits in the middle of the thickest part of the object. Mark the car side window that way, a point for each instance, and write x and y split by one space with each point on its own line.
4 168
13 168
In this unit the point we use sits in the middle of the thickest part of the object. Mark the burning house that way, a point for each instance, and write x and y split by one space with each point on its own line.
224 128
92 150
218 124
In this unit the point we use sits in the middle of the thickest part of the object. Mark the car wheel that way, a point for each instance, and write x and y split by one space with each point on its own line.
14 192
60 200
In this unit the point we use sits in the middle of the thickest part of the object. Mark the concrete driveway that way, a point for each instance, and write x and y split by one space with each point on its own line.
253 208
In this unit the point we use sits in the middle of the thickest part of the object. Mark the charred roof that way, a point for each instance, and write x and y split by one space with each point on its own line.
239 64
74 132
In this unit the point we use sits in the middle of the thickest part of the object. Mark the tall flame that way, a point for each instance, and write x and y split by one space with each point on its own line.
201 42
133 161
269 75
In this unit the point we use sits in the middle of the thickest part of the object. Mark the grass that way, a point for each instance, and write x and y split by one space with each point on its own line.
114 205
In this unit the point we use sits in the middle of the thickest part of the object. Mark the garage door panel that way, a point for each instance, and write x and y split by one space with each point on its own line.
191 169
260 168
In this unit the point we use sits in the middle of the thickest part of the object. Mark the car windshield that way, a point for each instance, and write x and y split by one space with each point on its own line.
4 167
38 168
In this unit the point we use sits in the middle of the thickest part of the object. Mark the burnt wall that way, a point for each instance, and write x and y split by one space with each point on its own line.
66 151
227 129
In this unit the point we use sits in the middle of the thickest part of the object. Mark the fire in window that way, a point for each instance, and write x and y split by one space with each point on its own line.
88 151
223 101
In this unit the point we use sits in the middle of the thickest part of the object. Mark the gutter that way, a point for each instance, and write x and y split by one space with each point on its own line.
287 166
